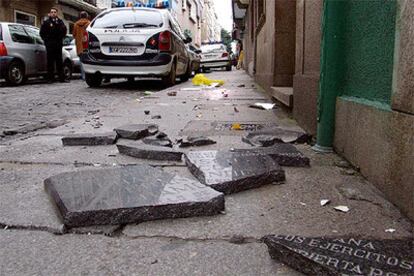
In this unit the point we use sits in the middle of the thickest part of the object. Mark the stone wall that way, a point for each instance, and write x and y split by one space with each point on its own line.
381 143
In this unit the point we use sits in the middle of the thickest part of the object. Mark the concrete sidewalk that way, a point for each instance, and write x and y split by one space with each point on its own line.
227 244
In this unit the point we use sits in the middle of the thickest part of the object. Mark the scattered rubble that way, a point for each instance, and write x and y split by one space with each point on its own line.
136 131
195 141
270 136
342 208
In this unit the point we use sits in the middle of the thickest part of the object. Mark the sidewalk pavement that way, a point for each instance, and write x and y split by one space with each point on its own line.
34 242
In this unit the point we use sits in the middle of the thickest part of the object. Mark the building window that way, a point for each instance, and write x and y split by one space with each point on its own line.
24 18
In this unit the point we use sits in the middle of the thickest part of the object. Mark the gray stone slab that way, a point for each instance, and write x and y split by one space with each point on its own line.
139 149
91 139
343 255
196 141
136 131
270 136
129 194
160 142
284 154
231 172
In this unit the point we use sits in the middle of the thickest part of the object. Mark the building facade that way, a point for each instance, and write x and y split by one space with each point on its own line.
33 12
345 71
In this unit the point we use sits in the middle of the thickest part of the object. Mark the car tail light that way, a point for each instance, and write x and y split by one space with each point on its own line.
3 49
164 41
225 54
85 40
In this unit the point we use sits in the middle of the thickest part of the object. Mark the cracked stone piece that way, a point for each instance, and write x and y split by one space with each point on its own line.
130 194
231 172
343 255
270 136
93 139
197 141
160 142
284 154
139 149
136 131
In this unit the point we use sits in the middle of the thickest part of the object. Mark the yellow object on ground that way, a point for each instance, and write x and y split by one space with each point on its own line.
200 79
236 127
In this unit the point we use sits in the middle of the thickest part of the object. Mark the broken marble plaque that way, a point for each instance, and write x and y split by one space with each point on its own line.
343 256
136 131
282 153
270 136
92 139
129 194
231 172
139 149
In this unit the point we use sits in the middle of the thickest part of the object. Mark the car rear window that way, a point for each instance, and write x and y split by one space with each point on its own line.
128 19
212 48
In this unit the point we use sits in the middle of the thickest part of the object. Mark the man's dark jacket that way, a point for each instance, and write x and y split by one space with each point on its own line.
53 31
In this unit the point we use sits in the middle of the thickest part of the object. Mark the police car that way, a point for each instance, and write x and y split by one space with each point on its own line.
215 55
135 42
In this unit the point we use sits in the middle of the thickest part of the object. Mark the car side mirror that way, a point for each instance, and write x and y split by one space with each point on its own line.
188 40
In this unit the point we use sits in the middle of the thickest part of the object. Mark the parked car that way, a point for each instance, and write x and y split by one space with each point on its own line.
195 58
135 42
215 55
23 54
69 44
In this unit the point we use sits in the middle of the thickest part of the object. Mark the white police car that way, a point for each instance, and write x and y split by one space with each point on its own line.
215 55
135 42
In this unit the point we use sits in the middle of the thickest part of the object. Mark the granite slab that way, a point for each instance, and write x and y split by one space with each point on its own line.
139 149
343 255
130 194
231 172
90 139
284 154
136 131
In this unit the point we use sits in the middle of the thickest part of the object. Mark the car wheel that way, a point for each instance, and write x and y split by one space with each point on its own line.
170 79
93 80
131 79
228 68
15 74
67 71
187 74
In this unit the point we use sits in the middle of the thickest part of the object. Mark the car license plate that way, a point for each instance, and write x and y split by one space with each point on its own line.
123 50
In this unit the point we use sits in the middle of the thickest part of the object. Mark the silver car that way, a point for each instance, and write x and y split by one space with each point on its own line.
69 44
23 54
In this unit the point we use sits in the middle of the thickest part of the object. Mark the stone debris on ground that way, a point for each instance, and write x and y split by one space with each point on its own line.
342 208
136 131
284 154
156 117
139 149
325 202
231 172
342 255
90 139
130 194
195 141
270 136
160 142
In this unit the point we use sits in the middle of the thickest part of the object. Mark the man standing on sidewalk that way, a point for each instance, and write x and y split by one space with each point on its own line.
53 31
79 34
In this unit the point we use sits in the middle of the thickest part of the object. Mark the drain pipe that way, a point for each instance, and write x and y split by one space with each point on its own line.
332 72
